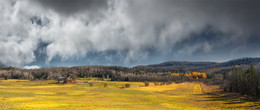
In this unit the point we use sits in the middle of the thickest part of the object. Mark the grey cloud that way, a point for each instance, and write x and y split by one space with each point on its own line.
72 7
17 42
236 20
127 32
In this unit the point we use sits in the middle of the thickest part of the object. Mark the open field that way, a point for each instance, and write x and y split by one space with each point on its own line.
46 95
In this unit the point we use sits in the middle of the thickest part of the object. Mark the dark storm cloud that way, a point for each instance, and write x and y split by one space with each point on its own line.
244 14
191 28
71 7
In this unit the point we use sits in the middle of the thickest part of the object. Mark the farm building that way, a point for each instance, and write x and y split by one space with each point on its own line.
68 79
60 79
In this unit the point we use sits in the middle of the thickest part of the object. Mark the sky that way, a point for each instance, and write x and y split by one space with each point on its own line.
54 33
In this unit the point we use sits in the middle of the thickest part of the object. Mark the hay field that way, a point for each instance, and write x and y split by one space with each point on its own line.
47 95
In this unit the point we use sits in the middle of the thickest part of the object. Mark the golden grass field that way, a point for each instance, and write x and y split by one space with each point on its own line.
46 95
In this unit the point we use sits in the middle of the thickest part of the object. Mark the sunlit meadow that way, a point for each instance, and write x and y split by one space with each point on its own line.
46 95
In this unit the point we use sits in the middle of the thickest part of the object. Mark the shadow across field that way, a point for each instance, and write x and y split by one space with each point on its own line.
231 98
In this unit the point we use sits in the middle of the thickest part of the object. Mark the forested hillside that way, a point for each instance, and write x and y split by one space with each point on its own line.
211 67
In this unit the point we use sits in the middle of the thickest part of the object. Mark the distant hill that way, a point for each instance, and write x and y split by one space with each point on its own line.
214 67
240 62
181 63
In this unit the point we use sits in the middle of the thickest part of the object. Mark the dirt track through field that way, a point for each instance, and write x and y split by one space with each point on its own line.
197 89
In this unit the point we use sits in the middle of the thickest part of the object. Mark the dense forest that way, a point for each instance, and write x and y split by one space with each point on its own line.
243 81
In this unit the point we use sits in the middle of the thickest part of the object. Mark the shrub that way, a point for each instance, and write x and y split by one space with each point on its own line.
156 83
91 84
5 77
105 84
211 76
162 83
168 83
127 85
146 83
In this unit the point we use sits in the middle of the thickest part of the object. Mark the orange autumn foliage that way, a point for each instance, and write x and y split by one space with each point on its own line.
199 75
193 75
175 74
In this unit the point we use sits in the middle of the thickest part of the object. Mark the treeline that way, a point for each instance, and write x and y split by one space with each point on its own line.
243 81
7 68
115 73
163 77
55 73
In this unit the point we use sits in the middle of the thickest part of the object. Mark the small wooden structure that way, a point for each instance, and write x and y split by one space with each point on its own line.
60 79
67 79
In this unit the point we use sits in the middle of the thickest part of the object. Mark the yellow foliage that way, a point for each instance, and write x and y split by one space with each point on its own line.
196 75
175 74
160 73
